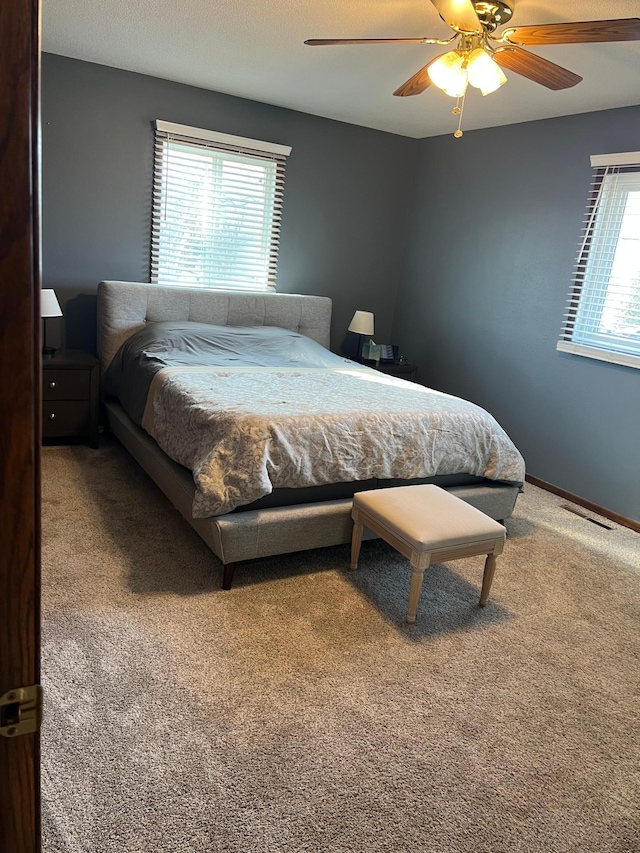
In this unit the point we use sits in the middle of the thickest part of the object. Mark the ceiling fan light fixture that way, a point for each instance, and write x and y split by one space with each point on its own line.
484 72
449 73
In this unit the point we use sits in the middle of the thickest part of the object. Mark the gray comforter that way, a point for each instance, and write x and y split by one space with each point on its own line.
181 343
244 430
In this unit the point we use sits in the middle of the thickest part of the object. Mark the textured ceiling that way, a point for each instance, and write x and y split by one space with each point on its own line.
255 49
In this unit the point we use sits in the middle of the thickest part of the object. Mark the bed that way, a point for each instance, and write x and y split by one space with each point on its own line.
286 514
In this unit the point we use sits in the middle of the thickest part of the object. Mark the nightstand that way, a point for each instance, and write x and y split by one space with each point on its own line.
70 394
402 371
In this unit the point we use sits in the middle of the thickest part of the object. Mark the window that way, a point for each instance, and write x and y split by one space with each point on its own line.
603 312
217 204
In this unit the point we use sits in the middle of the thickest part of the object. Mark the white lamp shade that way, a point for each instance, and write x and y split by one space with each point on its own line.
362 323
49 305
484 72
449 73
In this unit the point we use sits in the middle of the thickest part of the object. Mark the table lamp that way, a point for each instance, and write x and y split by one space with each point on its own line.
362 324
49 307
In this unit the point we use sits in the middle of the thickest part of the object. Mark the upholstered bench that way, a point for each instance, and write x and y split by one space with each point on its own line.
427 524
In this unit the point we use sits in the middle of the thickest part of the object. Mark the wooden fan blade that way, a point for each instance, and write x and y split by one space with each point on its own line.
583 32
536 68
417 84
459 14
367 41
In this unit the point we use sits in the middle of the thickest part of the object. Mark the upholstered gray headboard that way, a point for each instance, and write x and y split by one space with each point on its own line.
125 306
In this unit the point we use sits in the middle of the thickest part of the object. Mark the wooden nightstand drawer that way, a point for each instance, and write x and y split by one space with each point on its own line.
66 384
65 418
70 396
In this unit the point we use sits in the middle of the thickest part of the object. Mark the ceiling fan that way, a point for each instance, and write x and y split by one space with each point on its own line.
479 55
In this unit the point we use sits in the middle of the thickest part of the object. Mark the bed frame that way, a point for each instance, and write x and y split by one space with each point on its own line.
125 307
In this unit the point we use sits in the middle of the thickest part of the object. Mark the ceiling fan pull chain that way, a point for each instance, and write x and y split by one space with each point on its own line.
457 111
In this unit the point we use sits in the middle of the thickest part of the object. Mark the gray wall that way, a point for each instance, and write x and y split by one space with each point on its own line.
345 194
487 226
489 258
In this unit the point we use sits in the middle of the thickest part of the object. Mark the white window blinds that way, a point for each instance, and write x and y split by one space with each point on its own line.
217 206
602 319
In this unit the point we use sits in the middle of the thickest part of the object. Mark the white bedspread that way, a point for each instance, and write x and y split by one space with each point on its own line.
245 431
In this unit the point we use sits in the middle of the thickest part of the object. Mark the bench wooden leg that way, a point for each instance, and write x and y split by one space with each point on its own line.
418 564
356 542
489 569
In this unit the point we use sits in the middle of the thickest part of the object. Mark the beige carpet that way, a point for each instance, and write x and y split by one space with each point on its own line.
298 713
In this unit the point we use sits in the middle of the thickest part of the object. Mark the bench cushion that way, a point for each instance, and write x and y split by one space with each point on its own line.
427 517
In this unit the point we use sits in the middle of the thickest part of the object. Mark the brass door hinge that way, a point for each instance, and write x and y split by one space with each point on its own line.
21 711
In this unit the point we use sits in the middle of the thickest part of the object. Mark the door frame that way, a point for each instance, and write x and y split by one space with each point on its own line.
19 410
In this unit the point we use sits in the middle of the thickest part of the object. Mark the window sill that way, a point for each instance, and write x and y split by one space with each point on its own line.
599 354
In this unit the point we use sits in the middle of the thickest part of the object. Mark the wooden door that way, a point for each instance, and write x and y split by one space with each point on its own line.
19 414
